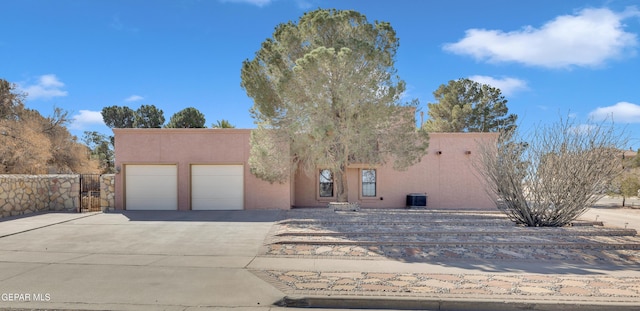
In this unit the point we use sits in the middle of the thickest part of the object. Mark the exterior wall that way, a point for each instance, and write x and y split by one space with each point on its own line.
452 181
107 192
445 174
24 194
186 147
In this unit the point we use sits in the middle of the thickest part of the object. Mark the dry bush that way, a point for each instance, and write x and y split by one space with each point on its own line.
23 148
551 177
33 144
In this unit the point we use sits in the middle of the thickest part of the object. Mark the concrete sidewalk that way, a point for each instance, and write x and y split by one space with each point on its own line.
222 261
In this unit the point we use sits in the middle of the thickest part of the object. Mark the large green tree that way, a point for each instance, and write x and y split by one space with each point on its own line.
187 118
149 116
326 94
118 116
464 105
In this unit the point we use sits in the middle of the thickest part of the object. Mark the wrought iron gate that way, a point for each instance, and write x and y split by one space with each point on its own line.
90 193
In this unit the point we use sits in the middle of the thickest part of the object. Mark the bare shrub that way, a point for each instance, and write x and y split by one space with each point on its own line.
551 176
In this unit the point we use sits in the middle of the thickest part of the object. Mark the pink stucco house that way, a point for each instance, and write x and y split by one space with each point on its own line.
207 169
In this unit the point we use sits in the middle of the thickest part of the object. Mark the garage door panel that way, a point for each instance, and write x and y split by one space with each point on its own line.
151 187
218 196
211 181
151 170
208 185
217 187
219 170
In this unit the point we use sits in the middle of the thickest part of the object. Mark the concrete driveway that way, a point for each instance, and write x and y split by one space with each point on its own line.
205 261
134 261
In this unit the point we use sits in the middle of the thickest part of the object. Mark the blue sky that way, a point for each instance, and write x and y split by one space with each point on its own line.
550 58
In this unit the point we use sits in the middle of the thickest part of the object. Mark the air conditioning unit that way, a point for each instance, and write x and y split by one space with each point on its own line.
416 200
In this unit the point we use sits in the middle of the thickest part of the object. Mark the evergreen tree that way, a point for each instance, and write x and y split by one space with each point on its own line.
326 94
468 106
187 118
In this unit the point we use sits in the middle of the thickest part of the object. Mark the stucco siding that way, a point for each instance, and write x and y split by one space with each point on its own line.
446 174
186 147
455 182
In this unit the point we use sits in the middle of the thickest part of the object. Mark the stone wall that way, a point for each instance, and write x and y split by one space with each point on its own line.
107 192
24 194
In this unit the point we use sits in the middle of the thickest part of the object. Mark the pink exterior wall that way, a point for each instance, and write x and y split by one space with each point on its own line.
185 147
448 179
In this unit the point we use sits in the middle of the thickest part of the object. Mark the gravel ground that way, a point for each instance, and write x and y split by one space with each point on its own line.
444 237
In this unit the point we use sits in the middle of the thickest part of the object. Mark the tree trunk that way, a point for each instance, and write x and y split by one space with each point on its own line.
623 199
342 188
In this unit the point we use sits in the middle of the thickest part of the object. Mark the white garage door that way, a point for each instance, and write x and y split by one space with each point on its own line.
217 187
151 187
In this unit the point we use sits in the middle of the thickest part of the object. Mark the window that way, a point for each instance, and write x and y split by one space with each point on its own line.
368 183
326 184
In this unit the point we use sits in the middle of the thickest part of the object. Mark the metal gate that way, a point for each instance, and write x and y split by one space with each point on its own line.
89 193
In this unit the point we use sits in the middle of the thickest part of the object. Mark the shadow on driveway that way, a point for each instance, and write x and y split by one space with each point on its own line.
204 216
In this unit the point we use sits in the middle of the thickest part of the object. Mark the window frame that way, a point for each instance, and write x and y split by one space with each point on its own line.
363 183
331 183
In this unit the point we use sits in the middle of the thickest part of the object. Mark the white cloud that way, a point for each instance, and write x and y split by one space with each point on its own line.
134 98
622 112
86 118
507 85
588 38
47 87
259 3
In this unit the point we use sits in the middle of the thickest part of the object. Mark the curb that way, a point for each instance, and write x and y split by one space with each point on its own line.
446 304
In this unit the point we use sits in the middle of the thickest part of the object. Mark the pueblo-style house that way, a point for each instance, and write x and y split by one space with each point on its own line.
207 169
